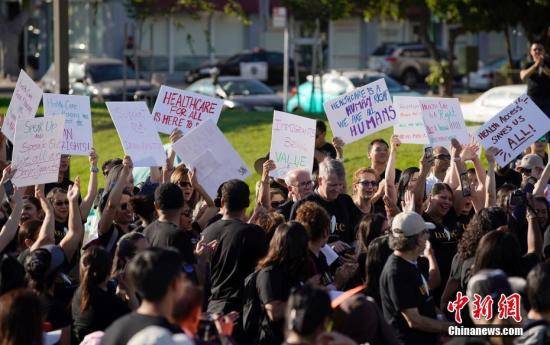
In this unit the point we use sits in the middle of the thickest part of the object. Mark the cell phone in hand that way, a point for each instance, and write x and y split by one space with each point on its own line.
429 152
465 184
8 187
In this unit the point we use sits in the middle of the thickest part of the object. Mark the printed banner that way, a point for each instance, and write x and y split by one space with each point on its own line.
292 143
77 135
443 121
361 112
37 150
137 133
185 110
513 129
23 104
206 149
410 125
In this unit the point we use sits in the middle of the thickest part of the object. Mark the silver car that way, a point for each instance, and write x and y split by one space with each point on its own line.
101 79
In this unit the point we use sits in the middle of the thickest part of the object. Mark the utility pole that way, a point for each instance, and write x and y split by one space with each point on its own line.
61 45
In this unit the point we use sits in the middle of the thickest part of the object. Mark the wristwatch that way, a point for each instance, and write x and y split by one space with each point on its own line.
94 170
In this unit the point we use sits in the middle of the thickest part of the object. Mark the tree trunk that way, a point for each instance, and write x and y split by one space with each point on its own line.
10 32
449 78
508 46
426 39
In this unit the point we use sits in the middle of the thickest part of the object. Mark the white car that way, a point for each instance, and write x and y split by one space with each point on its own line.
491 102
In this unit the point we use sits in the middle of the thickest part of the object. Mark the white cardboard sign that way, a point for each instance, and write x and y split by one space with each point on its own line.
410 126
36 150
185 110
443 121
513 129
137 133
361 112
206 149
23 104
77 135
292 143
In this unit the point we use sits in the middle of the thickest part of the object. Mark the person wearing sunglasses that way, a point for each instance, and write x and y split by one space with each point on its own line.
536 73
365 185
441 165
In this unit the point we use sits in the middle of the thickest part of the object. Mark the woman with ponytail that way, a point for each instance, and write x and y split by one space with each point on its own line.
95 306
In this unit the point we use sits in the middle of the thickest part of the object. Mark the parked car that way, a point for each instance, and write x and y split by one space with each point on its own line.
100 78
231 66
484 78
491 102
337 83
408 62
239 93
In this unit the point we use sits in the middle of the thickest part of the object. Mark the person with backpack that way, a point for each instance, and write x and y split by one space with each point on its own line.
284 267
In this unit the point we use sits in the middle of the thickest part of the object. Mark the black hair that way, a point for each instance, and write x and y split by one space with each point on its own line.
12 274
236 195
403 183
153 270
37 265
320 126
143 206
378 141
538 287
107 165
169 197
307 310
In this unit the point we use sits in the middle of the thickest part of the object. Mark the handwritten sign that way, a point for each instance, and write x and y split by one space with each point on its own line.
410 126
206 149
24 103
292 143
77 135
137 133
36 150
363 111
513 129
185 110
443 121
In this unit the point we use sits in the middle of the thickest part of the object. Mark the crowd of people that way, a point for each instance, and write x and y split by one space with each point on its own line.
397 257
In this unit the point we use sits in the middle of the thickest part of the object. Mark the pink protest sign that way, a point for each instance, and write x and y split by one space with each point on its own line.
185 110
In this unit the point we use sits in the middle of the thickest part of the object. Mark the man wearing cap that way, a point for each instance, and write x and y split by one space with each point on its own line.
406 300
531 165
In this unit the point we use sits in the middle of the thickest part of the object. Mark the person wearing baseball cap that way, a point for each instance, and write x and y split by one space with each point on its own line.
406 300
531 165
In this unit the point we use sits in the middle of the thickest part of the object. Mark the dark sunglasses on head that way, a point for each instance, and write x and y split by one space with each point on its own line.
443 157
184 184
525 171
276 204
61 203
366 183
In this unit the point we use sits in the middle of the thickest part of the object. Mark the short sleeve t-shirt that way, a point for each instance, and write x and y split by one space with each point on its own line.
168 235
538 84
240 246
402 286
123 329
343 214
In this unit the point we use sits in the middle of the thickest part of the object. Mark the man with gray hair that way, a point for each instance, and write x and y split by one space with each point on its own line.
404 293
343 213
300 185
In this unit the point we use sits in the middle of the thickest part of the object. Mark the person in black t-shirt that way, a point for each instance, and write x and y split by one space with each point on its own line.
343 213
239 247
378 153
300 185
537 75
406 300
157 277
283 268
165 231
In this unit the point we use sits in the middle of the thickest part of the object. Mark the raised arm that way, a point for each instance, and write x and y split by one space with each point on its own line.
420 188
543 181
72 240
534 234
339 147
478 194
88 201
491 185
526 73
390 190
46 233
108 214
9 230
264 198
451 177
192 175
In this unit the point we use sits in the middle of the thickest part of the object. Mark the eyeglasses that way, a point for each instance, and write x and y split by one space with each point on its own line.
538 49
61 203
443 157
276 204
305 184
525 171
366 183
184 184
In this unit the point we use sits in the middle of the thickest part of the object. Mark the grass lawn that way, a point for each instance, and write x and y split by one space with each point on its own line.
249 133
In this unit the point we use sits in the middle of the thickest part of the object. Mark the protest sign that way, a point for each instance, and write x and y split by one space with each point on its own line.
513 129
206 149
23 104
137 133
77 135
292 143
363 111
185 110
443 121
410 124
36 150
